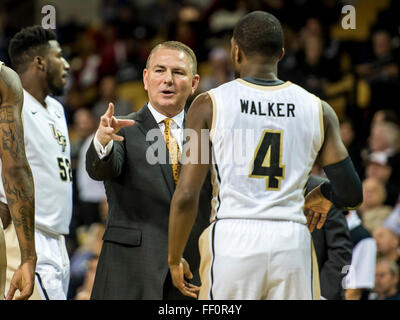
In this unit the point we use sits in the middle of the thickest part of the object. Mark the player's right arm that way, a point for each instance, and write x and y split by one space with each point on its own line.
17 180
344 189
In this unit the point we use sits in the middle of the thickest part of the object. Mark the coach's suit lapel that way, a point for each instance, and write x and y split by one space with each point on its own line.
146 122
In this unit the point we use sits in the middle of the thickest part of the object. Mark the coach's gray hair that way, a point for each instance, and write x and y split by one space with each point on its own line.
179 46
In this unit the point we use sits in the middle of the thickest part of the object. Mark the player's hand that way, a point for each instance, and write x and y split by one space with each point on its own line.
317 208
23 280
178 274
109 126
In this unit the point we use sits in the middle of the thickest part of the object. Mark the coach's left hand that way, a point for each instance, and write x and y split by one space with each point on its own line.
178 274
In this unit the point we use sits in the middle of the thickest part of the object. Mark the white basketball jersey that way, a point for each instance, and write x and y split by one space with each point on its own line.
265 140
47 149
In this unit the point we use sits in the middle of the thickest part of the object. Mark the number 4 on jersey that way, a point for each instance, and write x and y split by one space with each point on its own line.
267 160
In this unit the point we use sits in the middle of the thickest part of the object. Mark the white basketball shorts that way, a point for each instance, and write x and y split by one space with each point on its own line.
258 260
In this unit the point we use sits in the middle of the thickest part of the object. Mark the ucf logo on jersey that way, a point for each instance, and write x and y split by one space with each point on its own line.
59 137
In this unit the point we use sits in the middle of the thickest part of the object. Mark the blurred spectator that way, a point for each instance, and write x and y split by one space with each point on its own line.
386 280
352 145
313 67
393 221
387 244
223 15
360 278
385 137
108 93
385 115
84 292
112 50
87 192
85 256
373 212
160 13
381 71
83 126
288 66
385 169
222 70
189 29
85 65
90 192
74 101
384 64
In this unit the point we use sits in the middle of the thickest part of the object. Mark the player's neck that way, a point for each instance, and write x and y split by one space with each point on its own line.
259 71
35 88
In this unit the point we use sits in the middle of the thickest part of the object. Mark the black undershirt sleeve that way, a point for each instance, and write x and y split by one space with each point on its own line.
344 188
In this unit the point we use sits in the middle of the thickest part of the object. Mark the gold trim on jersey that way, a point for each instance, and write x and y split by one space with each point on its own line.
321 120
205 263
214 115
261 87
316 288
215 192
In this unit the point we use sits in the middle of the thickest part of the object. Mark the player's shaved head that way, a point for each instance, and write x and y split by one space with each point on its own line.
259 33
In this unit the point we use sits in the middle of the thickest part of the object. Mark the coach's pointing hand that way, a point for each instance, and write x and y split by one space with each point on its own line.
109 126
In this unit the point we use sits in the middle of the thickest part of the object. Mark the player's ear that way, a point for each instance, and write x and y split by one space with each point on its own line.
234 51
238 54
282 54
40 63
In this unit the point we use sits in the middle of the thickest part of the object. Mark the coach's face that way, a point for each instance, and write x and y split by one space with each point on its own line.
169 80
57 69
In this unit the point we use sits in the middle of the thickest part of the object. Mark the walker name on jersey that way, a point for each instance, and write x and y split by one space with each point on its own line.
61 139
270 109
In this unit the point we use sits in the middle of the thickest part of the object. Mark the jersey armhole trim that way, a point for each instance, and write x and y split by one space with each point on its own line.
321 121
214 114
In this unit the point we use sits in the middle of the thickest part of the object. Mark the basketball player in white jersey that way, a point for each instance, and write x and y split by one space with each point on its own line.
16 185
265 136
36 55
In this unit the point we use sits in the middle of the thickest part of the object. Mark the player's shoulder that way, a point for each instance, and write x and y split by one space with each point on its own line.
54 103
226 86
9 76
300 90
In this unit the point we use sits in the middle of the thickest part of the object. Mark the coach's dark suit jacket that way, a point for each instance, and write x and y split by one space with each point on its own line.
133 263
333 247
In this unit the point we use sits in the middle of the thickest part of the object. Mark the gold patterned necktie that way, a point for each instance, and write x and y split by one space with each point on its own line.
173 148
